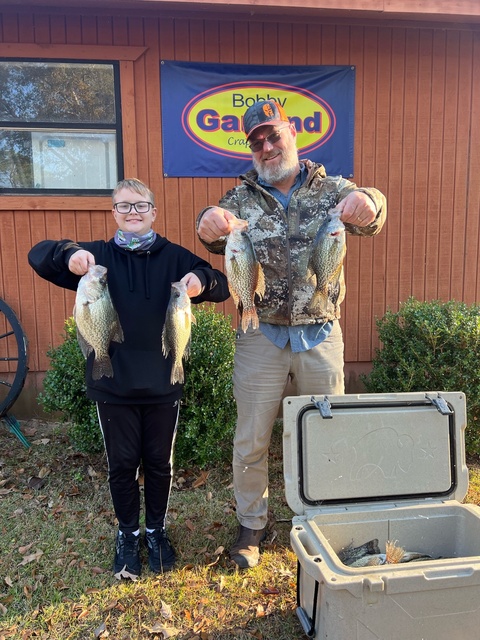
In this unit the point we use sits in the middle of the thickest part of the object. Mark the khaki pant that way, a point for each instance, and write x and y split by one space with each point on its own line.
260 376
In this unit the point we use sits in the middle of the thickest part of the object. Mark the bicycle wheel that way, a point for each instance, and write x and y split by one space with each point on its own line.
13 358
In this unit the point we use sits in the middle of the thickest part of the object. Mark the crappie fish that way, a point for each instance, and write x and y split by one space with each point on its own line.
244 273
177 330
368 555
351 554
96 319
326 259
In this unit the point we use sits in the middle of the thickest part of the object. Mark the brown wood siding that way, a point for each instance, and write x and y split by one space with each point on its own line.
417 138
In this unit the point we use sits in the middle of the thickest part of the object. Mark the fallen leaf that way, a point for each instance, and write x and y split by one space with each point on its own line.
60 585
36 483
166 610
189 524
41 441
270 591
220 584
91 472
142 597
123 573
31 558
211 564
202 478
101 631
9 581
97 570
83 614
158 627
23 550
199 623
43 473
215 526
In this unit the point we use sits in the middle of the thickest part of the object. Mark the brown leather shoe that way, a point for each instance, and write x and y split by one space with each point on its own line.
245 550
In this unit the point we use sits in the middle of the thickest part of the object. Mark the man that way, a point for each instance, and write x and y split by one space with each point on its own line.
284 200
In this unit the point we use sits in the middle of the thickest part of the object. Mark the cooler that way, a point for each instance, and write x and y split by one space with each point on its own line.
391 467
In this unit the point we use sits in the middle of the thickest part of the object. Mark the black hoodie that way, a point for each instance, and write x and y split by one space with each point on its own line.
139 283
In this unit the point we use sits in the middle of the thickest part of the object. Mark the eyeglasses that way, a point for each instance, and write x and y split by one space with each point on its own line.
257 145
126 207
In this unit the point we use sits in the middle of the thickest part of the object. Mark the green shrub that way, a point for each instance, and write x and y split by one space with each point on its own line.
64 391
431 346
208 411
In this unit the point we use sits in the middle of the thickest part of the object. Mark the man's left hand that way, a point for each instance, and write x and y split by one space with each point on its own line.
357 208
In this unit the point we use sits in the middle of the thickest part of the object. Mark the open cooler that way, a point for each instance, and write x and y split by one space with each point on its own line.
389 467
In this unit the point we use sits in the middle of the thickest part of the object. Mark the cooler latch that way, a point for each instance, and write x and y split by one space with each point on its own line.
324 407
440 404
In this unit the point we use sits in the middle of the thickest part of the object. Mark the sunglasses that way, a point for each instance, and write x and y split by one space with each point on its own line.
257 145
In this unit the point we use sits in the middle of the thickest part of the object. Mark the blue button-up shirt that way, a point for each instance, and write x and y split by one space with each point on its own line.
303 336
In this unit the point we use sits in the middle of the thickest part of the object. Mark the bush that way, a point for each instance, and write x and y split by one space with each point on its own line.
431 346
208 412
64 391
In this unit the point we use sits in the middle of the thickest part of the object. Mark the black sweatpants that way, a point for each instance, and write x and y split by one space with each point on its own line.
133 434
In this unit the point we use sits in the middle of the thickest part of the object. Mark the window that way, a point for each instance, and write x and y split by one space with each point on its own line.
60 129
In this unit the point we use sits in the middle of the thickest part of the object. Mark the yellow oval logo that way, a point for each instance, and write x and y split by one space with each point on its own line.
214 119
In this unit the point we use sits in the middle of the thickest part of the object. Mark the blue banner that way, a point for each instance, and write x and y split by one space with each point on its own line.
203 106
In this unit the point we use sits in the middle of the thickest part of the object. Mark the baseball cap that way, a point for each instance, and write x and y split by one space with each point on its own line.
264 112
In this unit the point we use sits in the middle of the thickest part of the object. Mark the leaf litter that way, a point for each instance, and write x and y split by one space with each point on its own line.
67 535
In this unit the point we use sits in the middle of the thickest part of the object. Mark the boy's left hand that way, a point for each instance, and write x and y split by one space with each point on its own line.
194 286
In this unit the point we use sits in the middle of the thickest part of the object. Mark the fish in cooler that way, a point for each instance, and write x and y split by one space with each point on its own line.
369 555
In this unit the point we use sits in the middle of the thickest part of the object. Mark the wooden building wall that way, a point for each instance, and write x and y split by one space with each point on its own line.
417 138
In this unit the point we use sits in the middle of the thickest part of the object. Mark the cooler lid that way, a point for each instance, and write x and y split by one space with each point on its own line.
373 448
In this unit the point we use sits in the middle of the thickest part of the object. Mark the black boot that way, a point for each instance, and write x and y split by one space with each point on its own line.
245 550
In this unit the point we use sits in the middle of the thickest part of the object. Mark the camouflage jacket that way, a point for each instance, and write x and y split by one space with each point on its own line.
283 241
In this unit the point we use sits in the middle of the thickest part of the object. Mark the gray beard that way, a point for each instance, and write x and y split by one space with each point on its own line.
287 166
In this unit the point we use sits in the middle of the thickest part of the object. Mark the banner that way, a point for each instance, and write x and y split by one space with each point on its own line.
203 106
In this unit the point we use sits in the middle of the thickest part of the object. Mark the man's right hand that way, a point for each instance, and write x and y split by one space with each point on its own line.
215 224
80 261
